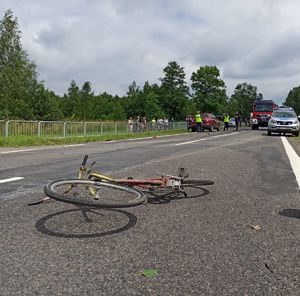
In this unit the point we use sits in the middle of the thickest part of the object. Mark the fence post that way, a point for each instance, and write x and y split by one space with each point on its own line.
116 128
84 129
39 128
65 125
6 129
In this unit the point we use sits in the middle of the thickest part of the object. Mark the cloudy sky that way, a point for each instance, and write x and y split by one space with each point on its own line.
114 42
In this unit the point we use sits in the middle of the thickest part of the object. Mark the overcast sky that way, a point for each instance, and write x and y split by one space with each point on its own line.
114 42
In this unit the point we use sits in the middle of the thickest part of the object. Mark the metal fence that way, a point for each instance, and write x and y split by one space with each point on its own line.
57 129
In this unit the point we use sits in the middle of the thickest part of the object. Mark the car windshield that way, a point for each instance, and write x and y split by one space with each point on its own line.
264 108
287 114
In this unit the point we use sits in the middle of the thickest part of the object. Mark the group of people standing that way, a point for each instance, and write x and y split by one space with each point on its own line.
197 120
141 124
237 120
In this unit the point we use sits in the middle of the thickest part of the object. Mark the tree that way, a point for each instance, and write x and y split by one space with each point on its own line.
152 106
134 102
45 105
260 97
209 90
107 107
84 107
174 91
293 99
18 77
70 101
242 99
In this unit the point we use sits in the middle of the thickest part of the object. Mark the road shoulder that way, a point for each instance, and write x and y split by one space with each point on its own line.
295 143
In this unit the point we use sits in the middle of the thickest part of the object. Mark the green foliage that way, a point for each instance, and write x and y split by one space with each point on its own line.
174 92
293 99
242 99
152 107
260 97
209 90
69 101
18 76
45 105
134 103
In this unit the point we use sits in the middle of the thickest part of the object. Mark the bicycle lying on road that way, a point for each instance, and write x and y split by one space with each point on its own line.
98 190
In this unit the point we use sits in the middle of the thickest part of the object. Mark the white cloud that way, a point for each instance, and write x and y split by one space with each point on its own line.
113 42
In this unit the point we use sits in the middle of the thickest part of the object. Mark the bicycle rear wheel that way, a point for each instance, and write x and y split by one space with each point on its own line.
94 193
195 183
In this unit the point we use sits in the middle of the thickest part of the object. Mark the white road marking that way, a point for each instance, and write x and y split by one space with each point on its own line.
11 179
73 145
189 142
39 149
137 139
203 139
293 157
15 151
225 135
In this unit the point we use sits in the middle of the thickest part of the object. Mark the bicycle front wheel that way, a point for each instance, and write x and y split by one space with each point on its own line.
94 193
195 183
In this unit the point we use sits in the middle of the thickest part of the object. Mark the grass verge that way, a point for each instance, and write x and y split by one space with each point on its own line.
23 141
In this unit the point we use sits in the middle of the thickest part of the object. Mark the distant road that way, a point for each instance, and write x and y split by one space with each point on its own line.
239 236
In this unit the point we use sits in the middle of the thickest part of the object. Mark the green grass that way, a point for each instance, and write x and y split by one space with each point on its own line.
22 141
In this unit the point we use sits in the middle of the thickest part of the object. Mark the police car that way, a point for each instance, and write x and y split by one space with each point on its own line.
284 120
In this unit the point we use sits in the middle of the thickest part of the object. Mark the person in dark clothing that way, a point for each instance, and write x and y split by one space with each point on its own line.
237 120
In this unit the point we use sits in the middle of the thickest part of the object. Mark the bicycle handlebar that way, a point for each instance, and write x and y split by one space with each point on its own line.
84 160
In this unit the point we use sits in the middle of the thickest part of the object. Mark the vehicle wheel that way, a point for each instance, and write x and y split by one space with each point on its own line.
296 134
269 133
195 183
94 193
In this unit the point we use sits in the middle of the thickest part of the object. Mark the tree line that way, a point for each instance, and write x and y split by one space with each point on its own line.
24 97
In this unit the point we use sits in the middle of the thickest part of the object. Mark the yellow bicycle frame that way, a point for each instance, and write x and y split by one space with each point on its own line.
102 177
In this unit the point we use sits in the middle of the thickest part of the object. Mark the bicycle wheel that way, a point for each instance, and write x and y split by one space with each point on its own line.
94 193
195 183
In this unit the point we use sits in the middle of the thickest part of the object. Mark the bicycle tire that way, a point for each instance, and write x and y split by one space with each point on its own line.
94 193
158 189
195 183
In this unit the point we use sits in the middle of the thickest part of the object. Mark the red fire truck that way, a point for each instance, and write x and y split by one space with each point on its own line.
261 113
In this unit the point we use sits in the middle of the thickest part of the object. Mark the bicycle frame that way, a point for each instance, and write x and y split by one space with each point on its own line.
165 181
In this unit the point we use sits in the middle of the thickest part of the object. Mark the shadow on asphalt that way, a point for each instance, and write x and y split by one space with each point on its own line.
291 213
156 198
69 223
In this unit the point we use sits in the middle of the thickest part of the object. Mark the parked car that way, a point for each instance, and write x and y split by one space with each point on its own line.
210 122
284 120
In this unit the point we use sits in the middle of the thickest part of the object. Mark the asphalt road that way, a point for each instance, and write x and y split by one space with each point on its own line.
239 236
